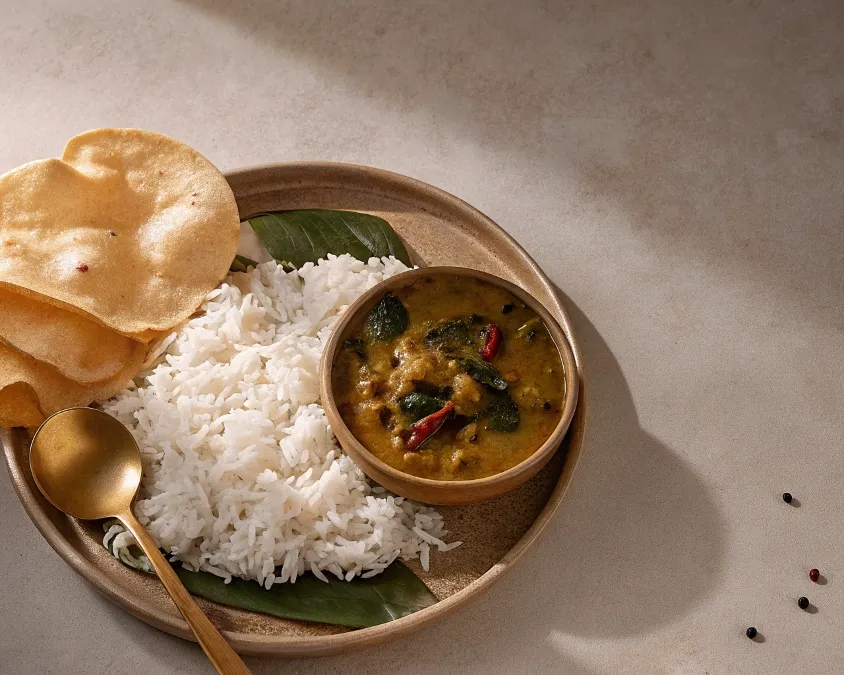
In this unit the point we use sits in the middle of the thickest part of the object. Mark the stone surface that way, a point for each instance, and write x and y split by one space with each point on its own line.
676 168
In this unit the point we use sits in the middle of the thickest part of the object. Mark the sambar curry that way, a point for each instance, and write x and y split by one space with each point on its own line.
450 378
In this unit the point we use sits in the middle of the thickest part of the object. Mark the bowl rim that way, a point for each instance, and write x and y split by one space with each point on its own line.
526 467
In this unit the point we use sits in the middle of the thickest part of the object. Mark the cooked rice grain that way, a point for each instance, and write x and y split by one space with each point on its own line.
242 475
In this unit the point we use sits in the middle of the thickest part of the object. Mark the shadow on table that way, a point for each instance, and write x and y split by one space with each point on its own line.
642 541
599 100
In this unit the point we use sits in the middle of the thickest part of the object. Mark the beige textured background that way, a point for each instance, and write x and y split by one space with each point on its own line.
676 168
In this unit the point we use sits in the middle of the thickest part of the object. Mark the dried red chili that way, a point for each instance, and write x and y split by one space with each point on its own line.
82 268
492 342
422 430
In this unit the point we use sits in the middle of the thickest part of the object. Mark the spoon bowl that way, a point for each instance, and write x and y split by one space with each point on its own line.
87 464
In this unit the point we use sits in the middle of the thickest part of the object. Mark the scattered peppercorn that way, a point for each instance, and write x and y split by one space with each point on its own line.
803 602
112 233
531 335
814 574
751 632
509 307
473 438
82 268
786 497
546 405
193 203
394 362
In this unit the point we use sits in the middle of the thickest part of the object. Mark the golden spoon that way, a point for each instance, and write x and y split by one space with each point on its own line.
89 466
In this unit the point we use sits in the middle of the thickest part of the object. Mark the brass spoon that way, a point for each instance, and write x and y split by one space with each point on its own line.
89 466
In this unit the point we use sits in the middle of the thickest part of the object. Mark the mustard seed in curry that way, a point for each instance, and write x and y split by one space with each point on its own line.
450 378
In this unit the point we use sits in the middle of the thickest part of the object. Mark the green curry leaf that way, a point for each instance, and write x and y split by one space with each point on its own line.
416 405
388 319
450 336
297 237
441 393
483 372
502 414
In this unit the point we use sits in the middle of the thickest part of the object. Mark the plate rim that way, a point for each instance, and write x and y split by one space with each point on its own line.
297 646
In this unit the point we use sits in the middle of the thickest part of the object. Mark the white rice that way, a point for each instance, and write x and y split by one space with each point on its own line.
242 476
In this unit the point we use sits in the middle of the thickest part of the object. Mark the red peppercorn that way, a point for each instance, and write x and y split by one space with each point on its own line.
82 268
814 574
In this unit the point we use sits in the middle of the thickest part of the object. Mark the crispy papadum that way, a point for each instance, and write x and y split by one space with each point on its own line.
19 406
131 227
80 349
31 390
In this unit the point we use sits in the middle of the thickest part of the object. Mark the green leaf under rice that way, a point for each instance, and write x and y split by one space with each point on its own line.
297 237
359 603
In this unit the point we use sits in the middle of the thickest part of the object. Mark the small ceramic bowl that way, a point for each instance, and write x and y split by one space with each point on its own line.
425 489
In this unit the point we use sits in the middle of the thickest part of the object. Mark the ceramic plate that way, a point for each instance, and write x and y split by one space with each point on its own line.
438 229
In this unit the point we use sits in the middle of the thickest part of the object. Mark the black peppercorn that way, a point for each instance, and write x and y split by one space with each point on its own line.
473 438
751 632
509 307
786 497
546 405
531 335
803 602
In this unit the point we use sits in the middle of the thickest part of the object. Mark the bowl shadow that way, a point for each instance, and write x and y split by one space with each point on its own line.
641 541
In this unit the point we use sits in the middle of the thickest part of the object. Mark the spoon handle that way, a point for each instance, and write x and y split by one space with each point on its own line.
222 656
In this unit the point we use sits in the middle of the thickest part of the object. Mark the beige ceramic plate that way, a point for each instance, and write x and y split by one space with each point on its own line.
439 229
